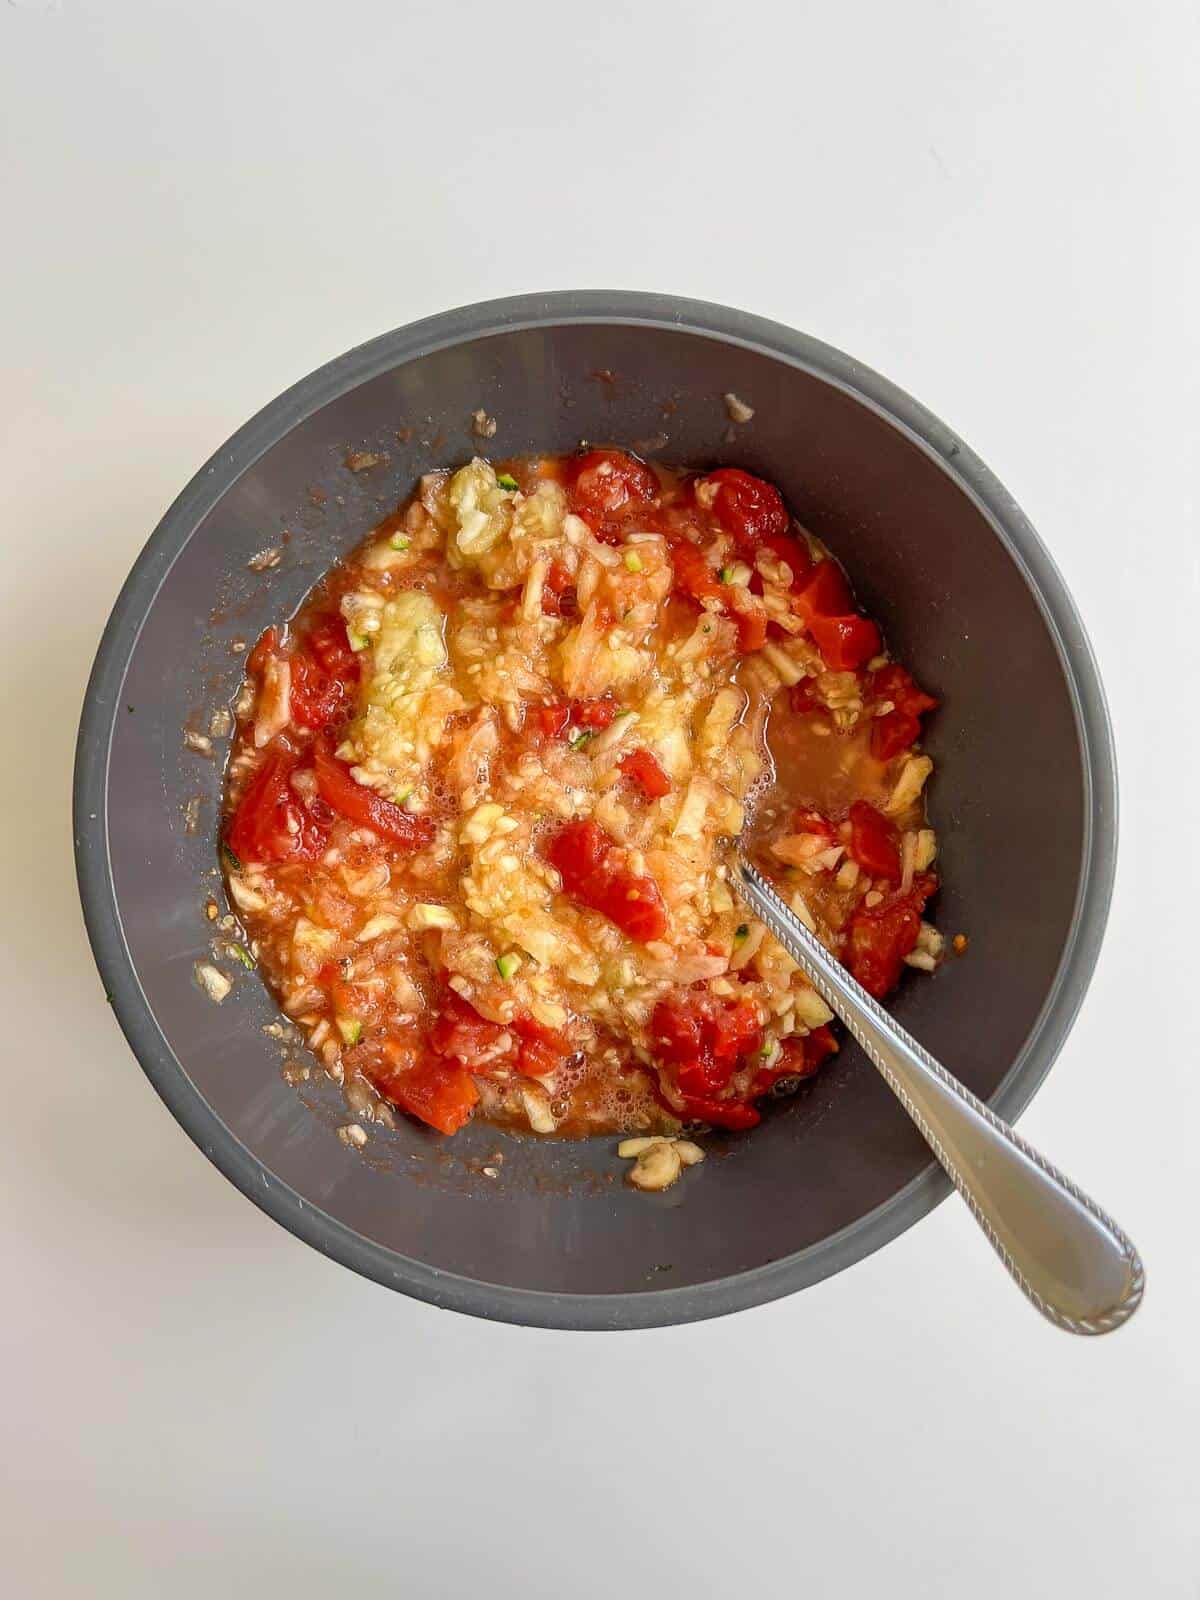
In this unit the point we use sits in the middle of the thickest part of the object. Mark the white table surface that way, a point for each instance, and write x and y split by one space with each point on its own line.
994 204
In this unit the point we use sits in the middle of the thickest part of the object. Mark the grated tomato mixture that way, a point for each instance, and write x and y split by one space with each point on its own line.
483 786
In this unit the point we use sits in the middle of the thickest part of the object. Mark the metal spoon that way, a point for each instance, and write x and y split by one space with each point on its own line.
1069 1258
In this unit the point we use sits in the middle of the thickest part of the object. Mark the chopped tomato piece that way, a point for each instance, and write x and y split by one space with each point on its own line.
749 508
826 606
604 481
798 1058
819 1044
893 732
458 1030
751 627
879 940
270 825
677 1028
879 937
900 727
794 551
550 721
323 671
330 644
825 593
892 682
593 872
577 851
805 821
361 805
732 1114
438 1093
643 768
690 1026
734 1031
558 591
845 642
693 575
874 842
802 697
703 1077
593 714
541 1049
700 1040
268 645
316 698
634 904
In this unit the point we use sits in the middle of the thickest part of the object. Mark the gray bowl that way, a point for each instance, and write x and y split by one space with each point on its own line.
1024 801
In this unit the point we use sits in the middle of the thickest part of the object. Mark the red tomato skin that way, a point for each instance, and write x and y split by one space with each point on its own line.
643 768
874 842
361 805
270 825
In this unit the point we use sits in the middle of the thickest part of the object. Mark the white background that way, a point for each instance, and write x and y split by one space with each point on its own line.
995 205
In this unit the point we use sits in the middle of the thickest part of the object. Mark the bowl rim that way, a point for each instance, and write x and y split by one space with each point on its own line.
540 1308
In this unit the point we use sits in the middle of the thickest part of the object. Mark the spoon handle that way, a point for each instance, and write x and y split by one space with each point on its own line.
1070 1259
